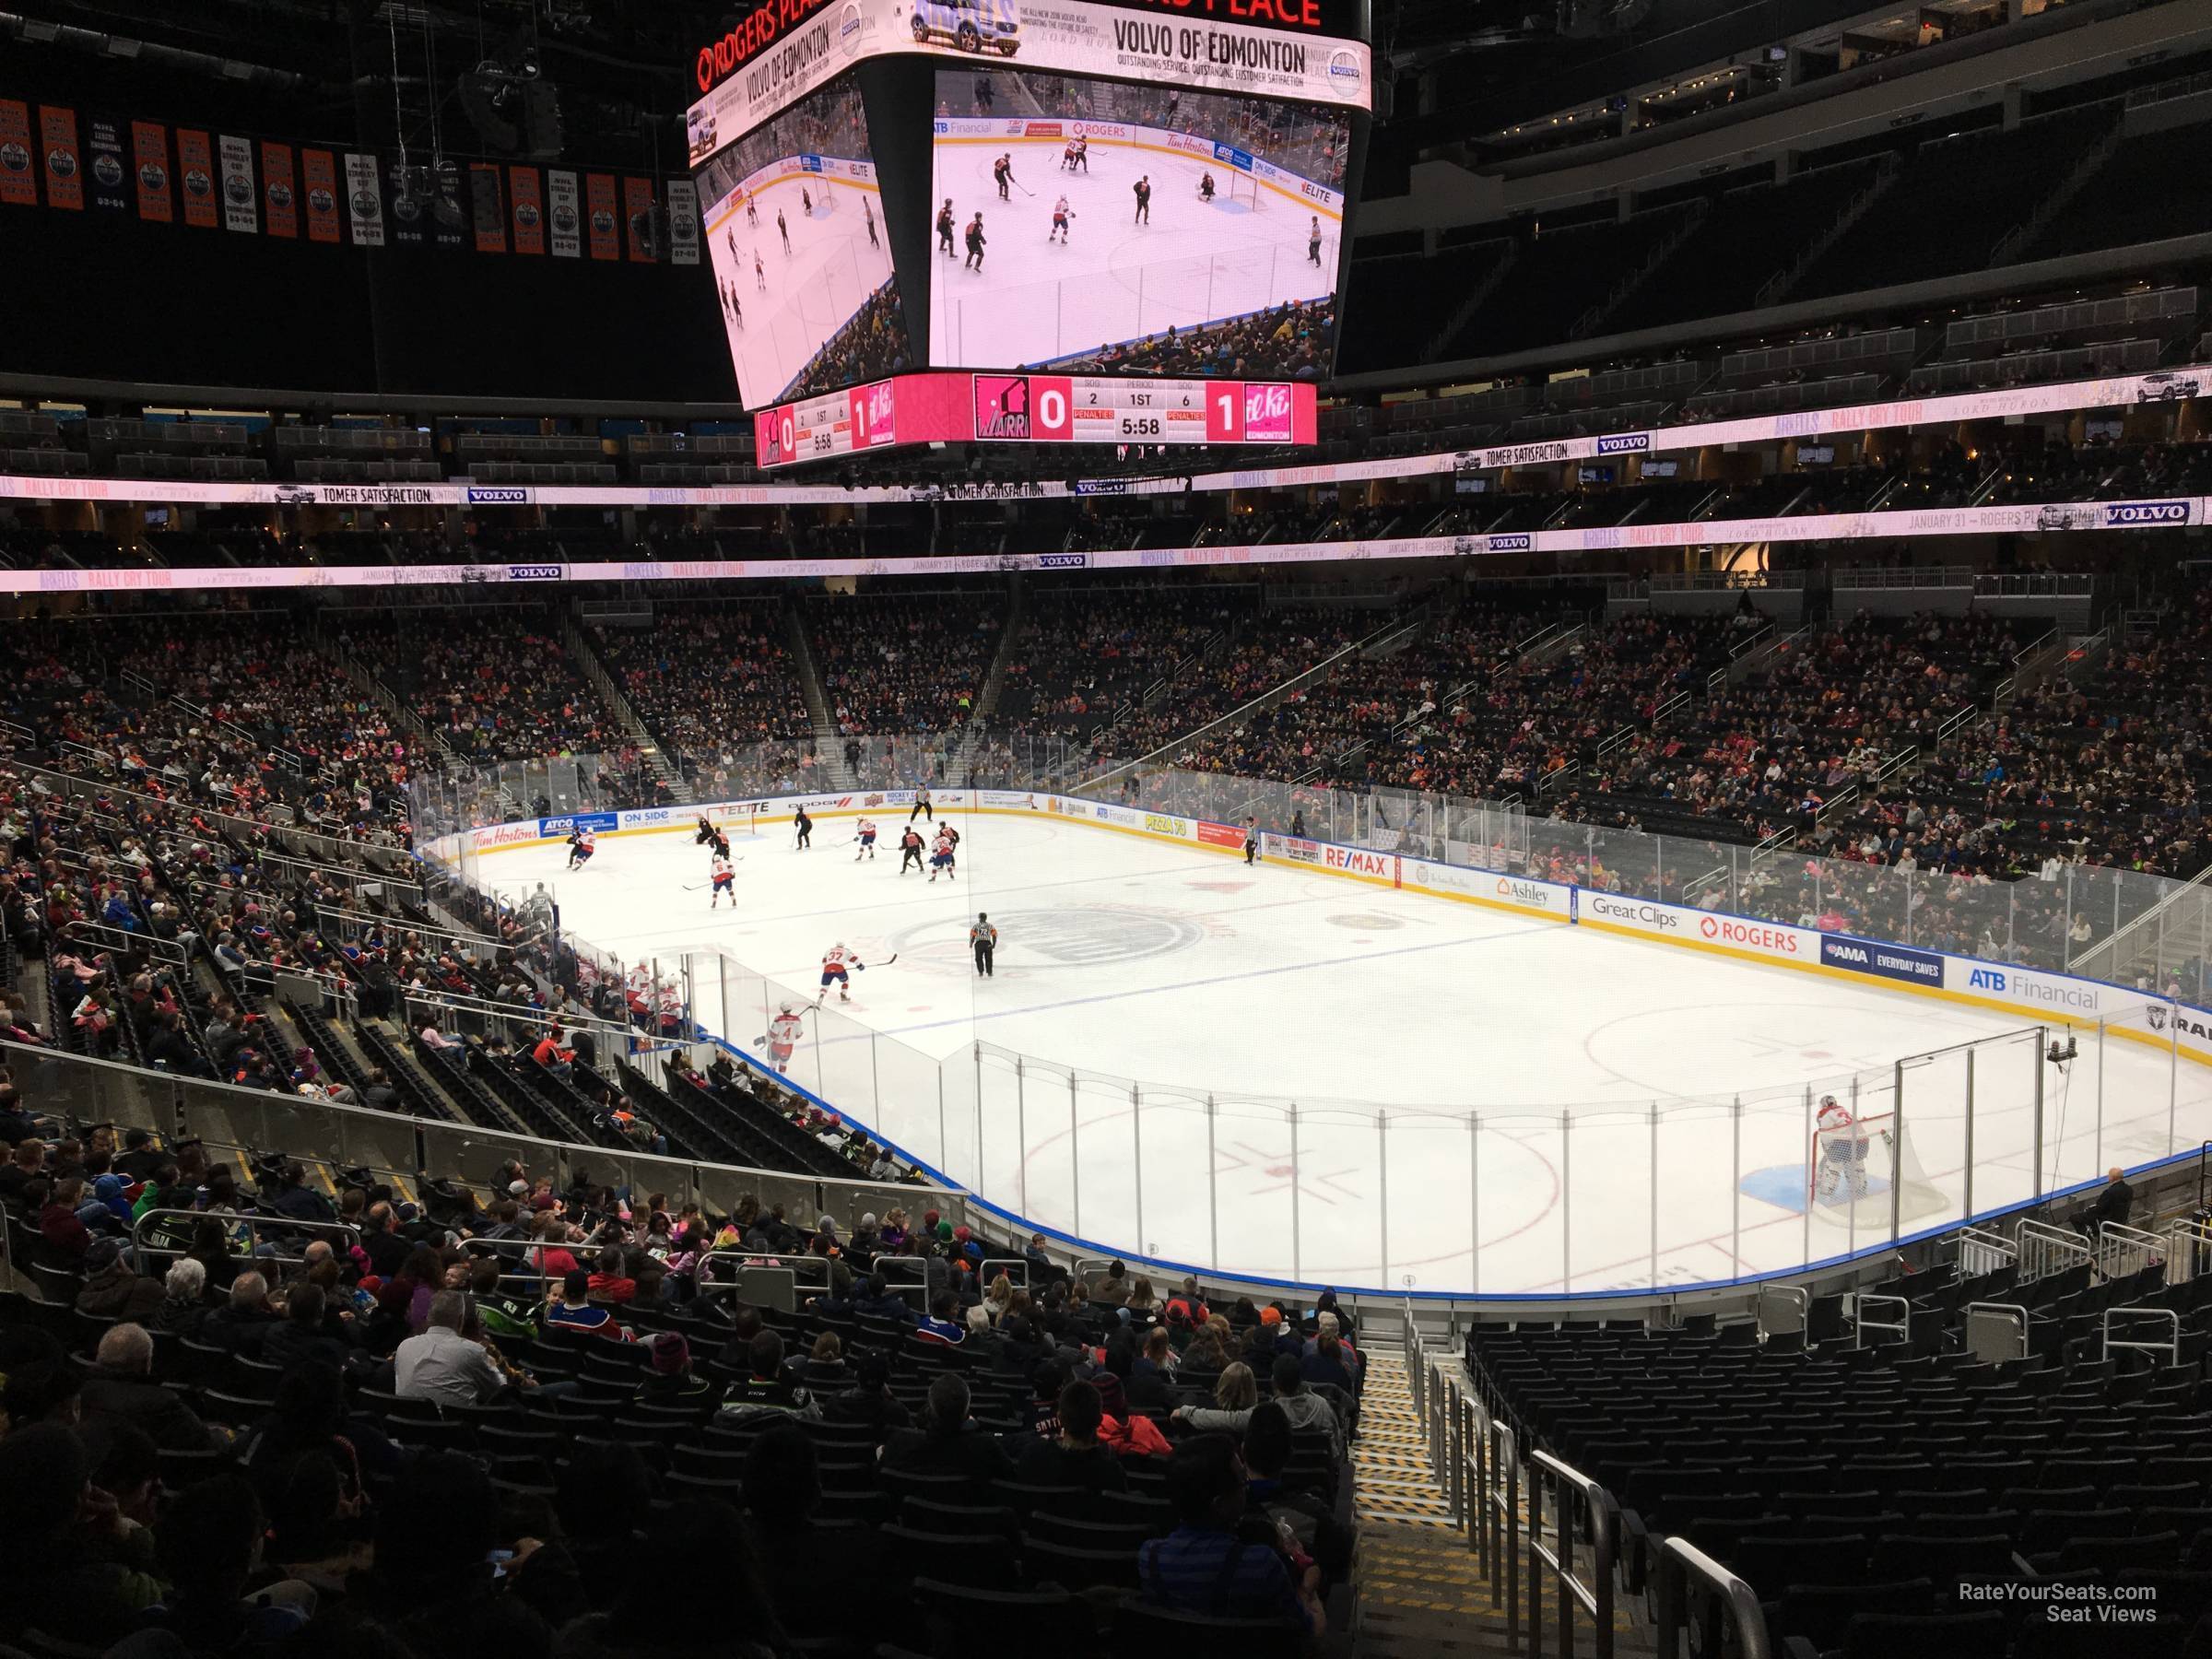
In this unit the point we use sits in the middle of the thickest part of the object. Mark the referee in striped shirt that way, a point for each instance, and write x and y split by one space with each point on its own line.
983 938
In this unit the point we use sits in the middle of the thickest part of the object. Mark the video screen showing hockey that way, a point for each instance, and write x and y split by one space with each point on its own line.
793 225
1097 226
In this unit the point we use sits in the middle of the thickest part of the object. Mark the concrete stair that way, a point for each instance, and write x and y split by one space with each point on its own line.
1420 1588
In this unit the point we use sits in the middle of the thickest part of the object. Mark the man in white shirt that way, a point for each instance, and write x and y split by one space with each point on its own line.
441 1364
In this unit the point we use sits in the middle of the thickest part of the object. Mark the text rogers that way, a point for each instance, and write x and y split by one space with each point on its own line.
1727 930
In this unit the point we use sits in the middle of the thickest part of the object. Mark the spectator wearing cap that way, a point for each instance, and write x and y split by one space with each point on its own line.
113 1289
1204 1566
669 1378
121 1389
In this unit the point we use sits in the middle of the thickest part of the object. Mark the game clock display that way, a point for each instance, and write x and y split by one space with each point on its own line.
1033 409
1059 408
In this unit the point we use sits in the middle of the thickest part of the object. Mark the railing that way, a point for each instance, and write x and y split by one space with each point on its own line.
2045 1249
1678 1566
2123 1251
1489 1474
1899 1327
267 1232
1549 1477
395 1148
1980 1251
2171 1348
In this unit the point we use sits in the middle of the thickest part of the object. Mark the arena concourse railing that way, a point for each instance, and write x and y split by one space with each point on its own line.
407 1151
2093 1075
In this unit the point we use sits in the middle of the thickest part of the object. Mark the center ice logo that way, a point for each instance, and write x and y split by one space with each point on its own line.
1077 938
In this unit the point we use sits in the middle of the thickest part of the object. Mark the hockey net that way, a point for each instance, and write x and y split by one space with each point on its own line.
1854 1168
1243 186
825 198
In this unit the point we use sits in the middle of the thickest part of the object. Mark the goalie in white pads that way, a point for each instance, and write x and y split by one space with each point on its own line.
782 1035
836 963
1843 1144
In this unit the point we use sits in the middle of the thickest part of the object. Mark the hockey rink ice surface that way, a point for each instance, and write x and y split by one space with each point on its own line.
810 293
1037 299
1123 957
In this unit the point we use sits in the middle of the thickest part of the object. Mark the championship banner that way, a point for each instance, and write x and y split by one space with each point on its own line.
364 200
683 222
488 213
195 178
150 152
637 219
104 144
277 188
566 218
19 183
65 166
776 56
319 175
529 211
599 197
239 210
448 217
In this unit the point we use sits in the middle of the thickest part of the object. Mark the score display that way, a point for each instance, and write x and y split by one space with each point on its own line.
1034 409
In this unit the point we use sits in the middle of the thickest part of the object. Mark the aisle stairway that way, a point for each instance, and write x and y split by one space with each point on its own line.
1420 1589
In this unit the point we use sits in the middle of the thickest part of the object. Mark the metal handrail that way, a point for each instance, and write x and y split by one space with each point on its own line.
253 1222
1492 1511
1861 1324
1980 1251
1595 1597
2171 1348
2122 1251
2045 1249
1680 1563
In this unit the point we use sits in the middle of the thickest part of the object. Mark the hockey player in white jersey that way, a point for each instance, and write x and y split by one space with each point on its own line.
863 836
782 1035
724 881
836 963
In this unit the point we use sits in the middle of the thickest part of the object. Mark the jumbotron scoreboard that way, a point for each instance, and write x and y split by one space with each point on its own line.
1033 409
1015 221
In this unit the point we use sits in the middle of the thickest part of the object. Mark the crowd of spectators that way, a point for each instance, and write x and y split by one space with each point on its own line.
890 663
710 681
1291 341
869 345
495 685
308 1413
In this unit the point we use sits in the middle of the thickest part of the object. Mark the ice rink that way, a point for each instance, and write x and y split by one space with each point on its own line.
797 300
1598 1111
1037 299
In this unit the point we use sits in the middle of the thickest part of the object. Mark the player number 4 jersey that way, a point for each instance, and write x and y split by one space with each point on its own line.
784 1030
